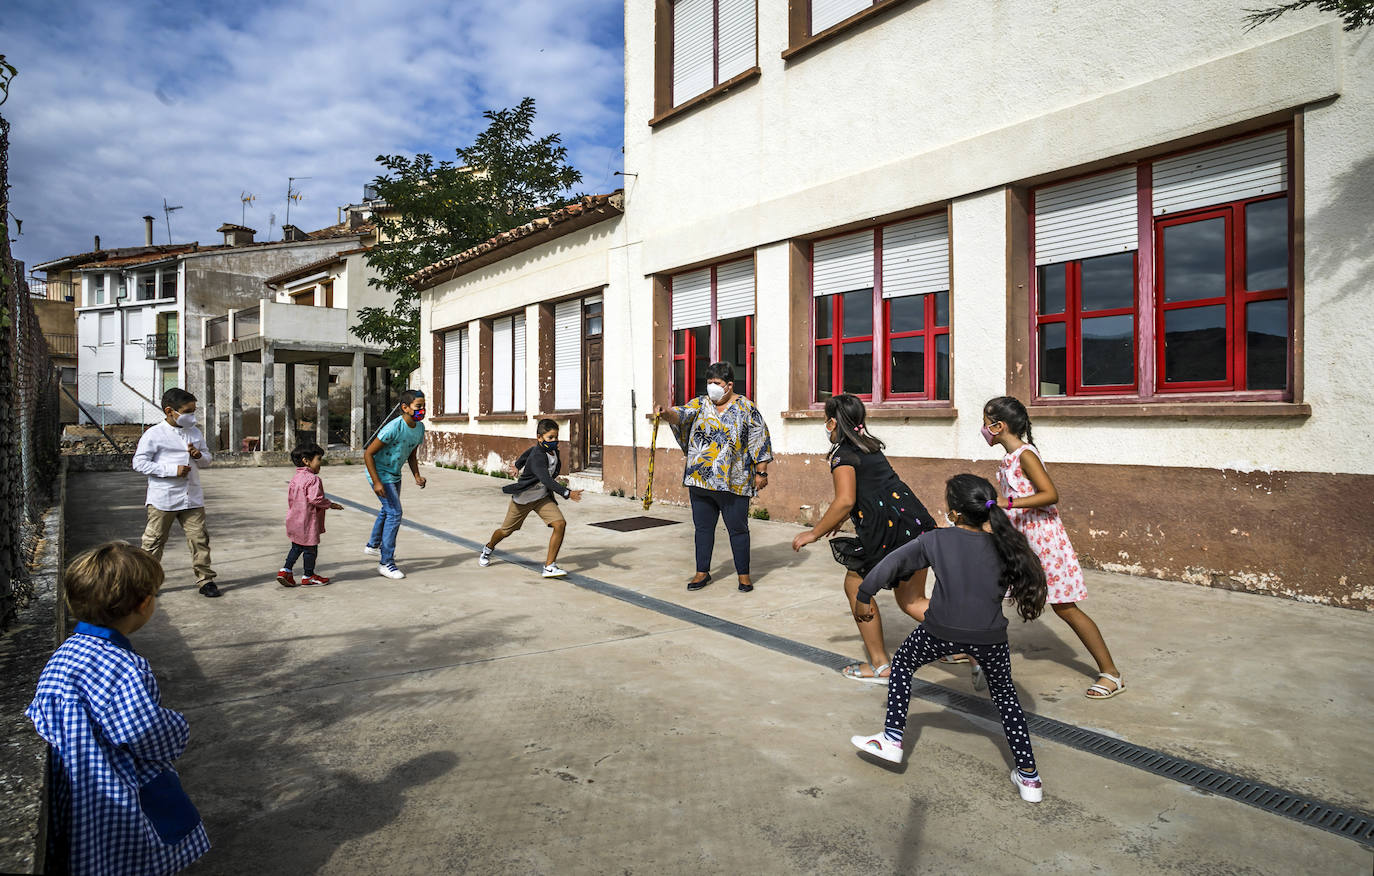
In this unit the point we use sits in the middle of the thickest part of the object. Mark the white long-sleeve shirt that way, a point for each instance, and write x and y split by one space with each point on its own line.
161 450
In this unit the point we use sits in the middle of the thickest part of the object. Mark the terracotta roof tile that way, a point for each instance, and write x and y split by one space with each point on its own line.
164 253
229 226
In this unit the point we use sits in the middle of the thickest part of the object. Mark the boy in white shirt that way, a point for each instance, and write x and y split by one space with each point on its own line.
171 454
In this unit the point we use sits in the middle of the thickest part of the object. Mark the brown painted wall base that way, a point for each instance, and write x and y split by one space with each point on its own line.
1259 532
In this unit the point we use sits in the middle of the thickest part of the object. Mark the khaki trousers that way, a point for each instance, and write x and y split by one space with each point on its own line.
192 522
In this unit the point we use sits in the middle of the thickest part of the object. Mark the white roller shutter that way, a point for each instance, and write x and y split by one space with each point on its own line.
518 377
567 355
693 48
692 299
455 343
735 289
1243 169
738 38
1087 217
842 264
916 257
501 349
824 13
463 360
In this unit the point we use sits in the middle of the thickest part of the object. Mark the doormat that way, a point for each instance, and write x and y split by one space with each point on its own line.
633 524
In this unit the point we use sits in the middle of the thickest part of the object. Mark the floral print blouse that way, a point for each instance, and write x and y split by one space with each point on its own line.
722 446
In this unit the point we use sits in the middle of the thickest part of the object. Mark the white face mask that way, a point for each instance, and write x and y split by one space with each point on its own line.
715 391
186 421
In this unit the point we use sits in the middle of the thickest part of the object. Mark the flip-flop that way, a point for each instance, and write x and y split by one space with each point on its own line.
1102 692
852 671
954 659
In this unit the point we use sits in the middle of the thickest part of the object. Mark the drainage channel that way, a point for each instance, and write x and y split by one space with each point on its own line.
1351 824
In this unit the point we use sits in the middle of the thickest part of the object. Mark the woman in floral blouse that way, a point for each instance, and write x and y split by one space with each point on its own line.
728 450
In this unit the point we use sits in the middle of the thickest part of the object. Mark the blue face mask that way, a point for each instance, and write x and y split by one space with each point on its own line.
549 446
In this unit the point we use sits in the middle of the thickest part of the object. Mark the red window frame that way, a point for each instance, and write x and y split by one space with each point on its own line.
687 355
837 340
1072 319
931 332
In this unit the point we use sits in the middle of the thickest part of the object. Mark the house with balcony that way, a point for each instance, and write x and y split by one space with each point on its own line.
1151 227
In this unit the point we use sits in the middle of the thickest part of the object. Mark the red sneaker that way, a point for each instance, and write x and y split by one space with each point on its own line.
286 579
314 581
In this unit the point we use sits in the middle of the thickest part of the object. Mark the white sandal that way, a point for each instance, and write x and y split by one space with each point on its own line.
852 671
1102 692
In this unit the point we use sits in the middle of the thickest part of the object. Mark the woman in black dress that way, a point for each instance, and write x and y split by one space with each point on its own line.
886 515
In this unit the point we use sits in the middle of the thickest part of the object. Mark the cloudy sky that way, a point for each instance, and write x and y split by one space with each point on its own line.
119 105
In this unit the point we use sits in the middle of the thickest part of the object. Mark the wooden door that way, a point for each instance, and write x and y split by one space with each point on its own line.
592 411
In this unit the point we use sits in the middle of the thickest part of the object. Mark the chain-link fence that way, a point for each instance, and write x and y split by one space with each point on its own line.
29 416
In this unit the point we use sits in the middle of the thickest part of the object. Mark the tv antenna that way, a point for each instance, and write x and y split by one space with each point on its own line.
292 195
167 217
247 200
271 223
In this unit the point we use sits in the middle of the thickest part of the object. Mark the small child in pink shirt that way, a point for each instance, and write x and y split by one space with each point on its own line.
305 507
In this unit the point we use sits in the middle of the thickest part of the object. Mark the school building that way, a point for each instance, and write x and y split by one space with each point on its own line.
1151 226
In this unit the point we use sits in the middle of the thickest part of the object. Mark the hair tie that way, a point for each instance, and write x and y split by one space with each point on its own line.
989 504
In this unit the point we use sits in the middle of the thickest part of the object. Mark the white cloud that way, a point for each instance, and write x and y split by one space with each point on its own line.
117 107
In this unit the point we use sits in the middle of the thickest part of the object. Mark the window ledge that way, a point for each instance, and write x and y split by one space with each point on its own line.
706 96
1174 409
502 418
852 21
560 414
449 418
944 412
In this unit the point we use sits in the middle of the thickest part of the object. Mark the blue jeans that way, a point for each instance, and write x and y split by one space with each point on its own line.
308 551
708 506
388 522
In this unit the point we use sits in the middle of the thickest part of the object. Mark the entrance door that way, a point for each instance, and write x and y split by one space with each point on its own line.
592 414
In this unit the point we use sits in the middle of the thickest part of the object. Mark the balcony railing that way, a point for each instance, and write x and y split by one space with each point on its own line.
217 331
162 346
61 345
247 323
52 290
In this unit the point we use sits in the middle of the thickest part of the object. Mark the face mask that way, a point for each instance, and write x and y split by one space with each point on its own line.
832 434
418 414
186 421
988 436
549 446
715 391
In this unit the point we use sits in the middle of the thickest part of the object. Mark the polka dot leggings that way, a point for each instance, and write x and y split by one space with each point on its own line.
921 648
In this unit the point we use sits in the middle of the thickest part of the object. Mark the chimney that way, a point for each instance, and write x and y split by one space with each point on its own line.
97 243
147 230
292 233
236 235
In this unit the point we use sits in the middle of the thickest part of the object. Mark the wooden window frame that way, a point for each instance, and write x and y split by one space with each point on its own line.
665 105
688 356
488 364
800 39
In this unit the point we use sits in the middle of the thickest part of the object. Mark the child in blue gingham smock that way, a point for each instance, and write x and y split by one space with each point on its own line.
117 803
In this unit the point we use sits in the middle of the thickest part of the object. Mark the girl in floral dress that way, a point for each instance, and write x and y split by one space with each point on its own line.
1030 499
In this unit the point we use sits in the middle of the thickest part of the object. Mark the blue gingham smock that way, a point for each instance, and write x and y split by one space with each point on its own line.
117 806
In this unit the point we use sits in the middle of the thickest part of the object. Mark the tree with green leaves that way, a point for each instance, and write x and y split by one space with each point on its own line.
506 178
1355 13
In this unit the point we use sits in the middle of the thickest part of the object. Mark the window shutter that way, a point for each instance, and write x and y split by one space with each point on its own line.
693 48
1244 169
916 257
735 289
825 13
502 338
518 378
463 369
691 299
842 264
567 355
454 342
738 38
1087 217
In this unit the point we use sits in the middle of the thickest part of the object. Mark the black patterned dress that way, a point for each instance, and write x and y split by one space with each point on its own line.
886 513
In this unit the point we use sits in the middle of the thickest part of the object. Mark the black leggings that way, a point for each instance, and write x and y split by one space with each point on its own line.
308 551
921 648
707 507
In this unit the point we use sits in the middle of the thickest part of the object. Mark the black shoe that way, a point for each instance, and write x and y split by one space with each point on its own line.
746 588
209 589
697 585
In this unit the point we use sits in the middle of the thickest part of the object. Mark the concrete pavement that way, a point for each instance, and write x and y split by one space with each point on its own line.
488 721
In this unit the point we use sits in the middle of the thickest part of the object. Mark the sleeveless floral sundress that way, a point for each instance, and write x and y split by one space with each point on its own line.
1045 532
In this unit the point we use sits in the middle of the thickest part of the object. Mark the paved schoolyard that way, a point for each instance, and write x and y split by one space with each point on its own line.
487 721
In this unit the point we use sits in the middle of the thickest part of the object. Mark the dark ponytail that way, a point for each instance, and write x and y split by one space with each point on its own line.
1022 577
1005 409
849 413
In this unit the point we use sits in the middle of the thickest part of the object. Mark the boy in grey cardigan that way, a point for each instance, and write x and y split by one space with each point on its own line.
534 491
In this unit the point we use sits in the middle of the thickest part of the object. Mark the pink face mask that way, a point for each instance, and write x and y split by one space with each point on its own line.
988 436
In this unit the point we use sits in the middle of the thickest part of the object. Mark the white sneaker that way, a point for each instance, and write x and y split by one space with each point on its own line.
390 571
484 558
552 571
1032 790
372 551
879 745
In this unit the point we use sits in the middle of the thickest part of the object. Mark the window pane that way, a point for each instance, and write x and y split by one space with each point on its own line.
1050 288
824 306
942 367
908 364
1266 245
858 313
824 364
593 326
1108 350
734 349
1266 344
679 382
1107 282
1195 344
1054 375
858 367
701 336
906 314
1195 260
941 309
